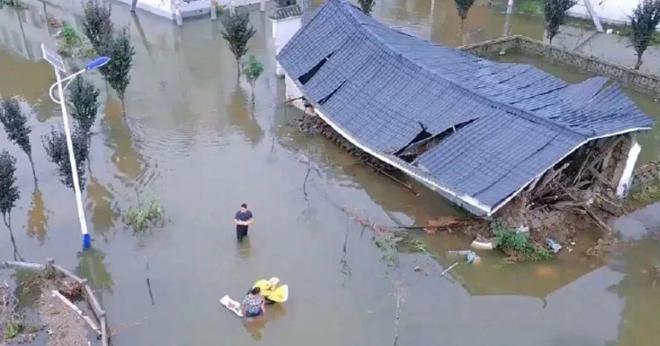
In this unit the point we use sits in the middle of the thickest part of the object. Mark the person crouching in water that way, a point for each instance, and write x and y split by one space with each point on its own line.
254 303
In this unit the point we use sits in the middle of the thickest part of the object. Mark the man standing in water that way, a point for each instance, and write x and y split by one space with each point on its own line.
243 219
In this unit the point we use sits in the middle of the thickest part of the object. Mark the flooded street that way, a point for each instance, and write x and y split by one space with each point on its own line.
192 140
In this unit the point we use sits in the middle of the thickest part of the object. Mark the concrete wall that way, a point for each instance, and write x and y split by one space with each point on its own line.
283 31
640 81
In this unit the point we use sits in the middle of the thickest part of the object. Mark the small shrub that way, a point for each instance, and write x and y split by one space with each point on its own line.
145 215
70 36
12 3
519 245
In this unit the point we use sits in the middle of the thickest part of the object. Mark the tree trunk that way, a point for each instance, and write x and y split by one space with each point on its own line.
238 68
34 174
133 5
123 105
6 218
638 64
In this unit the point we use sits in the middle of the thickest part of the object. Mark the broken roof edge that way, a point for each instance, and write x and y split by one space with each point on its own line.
505 201
483 209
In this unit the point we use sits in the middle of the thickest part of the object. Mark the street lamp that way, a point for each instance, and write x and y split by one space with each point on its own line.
55 60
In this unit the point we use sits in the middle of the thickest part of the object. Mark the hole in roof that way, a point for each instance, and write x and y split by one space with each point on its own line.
424 141
309 74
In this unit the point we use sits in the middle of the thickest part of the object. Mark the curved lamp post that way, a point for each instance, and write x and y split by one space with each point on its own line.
55 60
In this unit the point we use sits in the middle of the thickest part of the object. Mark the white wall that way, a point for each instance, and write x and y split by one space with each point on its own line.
283 31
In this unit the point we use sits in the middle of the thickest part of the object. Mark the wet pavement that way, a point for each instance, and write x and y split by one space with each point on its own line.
192 140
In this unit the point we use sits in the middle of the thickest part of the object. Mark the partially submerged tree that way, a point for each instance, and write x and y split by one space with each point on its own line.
83 96
118 70
463 7
644 20
97 24
57 151
367 6
237 32
252 70
16 127
555 13
8 193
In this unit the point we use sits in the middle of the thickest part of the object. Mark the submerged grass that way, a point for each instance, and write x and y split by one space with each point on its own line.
645 195
145 215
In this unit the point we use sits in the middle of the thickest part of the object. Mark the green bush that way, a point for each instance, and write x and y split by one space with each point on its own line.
519 245
529 7
70 36
144 216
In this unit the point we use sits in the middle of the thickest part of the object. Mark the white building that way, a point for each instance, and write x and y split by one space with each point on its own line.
615 12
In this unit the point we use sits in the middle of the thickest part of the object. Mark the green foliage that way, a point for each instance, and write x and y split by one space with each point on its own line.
252 70
237 32
117 72
8 191
643 22
15 123
367 6
13 329
57 151
463 7
529 7
97 25
83 96
388 243
519 245
555 13
70 36
145 215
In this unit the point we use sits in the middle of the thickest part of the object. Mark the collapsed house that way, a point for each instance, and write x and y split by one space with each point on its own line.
476 131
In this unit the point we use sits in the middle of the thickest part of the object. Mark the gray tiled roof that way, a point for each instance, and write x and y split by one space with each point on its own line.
286 12
379 86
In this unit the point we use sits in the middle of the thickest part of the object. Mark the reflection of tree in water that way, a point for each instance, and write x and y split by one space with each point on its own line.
119 137
640 288
100 202
92 268
37 221
242 117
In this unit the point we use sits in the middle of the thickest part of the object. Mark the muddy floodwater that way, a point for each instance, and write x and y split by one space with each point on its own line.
192 140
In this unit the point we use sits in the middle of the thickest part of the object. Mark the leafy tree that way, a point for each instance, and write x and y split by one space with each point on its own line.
644 20
16 127
367 6
237 32
117 71
57 151
252 70
555 13
8 193
83 96
97 24
463 7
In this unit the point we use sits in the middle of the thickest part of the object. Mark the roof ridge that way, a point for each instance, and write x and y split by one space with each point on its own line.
499 105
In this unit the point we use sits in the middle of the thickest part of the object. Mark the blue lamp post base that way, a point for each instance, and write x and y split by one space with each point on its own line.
87 241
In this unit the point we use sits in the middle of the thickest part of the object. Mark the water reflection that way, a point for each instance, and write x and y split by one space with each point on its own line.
119 138
37 218
242 118
640 288
100 201
91 266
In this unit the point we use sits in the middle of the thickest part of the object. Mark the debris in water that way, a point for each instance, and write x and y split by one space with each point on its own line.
553 245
